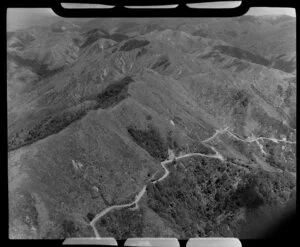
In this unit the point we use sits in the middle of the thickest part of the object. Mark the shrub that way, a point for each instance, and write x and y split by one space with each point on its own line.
163 61
90 216
199 195
201 33
151 141
76 41
134 44
51 124
69 229
117 37
57 30
141 52
286 66
91 39
122 224
41 69
114 93
198 147
249 197
242 54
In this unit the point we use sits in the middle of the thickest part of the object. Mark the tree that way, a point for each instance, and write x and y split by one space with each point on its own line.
69 229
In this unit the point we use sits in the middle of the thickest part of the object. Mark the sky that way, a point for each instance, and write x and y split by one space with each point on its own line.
24 18
18 18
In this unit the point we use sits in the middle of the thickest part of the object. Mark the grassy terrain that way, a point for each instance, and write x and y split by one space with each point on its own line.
52 124
265 120
41 69
198 147
240 65
107 132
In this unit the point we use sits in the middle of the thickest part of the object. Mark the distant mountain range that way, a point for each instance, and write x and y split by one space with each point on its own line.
94 107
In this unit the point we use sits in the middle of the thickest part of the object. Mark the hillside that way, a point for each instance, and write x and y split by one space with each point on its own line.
94 111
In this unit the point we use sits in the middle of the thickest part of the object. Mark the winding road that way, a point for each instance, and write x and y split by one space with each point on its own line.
249 139
254 139
217 155
142 192
105 211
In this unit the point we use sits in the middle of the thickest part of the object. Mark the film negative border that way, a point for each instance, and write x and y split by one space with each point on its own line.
182 10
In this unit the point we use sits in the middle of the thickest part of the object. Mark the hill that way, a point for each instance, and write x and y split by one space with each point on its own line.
93 111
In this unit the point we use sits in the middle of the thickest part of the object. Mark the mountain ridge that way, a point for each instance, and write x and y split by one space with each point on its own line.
94 110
